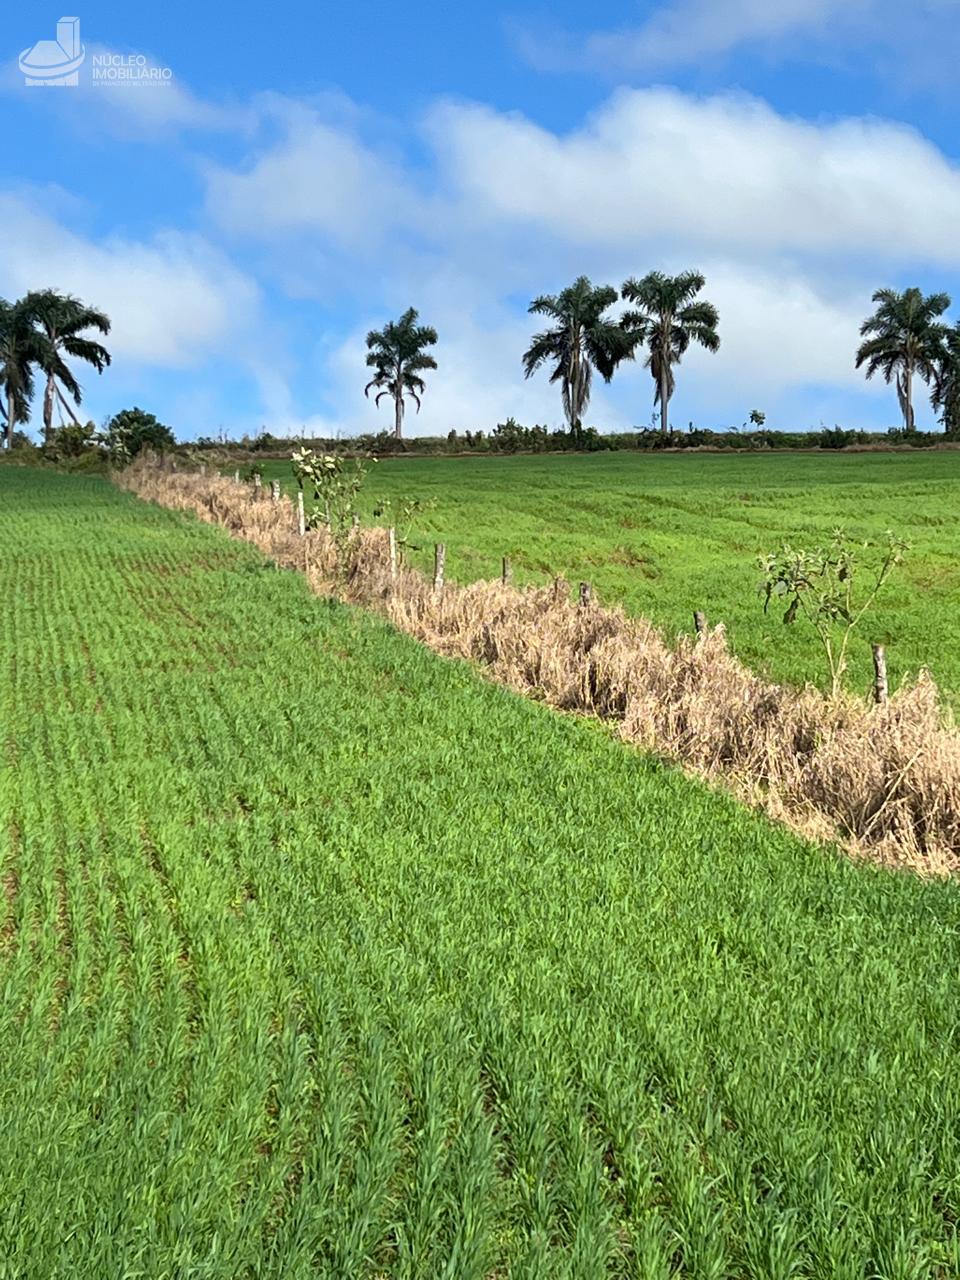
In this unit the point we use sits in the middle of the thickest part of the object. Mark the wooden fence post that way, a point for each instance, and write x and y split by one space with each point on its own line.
356 521
699 622
392 542
275 490
557 590
586 594
439 562
236 476
301 515
203 468
880 690
257 484
507 571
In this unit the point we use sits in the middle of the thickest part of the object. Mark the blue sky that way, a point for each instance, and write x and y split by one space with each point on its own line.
305 176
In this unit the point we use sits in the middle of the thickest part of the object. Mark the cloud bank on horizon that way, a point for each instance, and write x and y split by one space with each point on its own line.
241 292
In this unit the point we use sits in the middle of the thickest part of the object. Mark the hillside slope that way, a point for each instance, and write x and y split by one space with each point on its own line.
322 956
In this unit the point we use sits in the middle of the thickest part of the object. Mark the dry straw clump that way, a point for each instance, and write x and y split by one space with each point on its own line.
884 780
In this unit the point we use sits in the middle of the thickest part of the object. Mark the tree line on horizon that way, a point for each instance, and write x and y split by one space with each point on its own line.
905 338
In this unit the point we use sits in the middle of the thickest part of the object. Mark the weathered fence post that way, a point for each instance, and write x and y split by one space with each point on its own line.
699 622
275 490
392 542
586 594
236 476
356 521
558 585
439 562
880 690
203 468
326 513
507 571
301 515
257 484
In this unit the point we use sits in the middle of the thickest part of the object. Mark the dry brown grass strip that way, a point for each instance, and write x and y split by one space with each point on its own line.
884 781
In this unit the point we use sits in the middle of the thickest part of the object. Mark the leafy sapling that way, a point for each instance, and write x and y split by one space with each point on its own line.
832 588
403 514
335 487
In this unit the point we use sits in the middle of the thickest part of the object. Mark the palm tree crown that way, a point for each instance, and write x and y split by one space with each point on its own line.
583 339
666 319
397 353
63 320
904 337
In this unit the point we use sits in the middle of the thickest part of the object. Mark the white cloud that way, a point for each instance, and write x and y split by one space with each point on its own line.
172 300
657 167
320 179
690 32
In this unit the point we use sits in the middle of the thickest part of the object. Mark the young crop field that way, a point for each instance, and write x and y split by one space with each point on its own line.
321 956
669 534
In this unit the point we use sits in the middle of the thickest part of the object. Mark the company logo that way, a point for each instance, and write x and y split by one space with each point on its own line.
55 62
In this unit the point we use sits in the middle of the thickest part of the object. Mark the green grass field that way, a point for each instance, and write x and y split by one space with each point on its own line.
668 534
322 957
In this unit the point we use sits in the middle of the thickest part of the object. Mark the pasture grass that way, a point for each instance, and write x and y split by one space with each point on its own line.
668 534
320 956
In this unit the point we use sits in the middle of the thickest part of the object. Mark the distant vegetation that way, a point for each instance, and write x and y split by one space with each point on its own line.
38 334
398 353
906 340
583 338
667 317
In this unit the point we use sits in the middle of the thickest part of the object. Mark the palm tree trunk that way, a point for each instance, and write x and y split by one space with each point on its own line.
398 416
909 420
573 384
664 404
66 404
8 428
48 402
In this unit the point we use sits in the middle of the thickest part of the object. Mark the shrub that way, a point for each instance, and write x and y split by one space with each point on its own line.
131 431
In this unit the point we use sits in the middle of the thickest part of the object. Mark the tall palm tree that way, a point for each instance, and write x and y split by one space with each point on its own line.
667 318
64 320
583 339
946 387
21 347
397 353
903 339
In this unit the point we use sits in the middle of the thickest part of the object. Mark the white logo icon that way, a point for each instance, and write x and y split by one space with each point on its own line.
55 62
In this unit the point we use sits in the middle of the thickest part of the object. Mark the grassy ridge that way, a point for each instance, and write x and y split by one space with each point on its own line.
670 534
322 957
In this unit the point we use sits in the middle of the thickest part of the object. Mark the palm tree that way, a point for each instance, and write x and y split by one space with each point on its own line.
946 387
583 339
63 319
904 338
21 347
666 320
397 353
